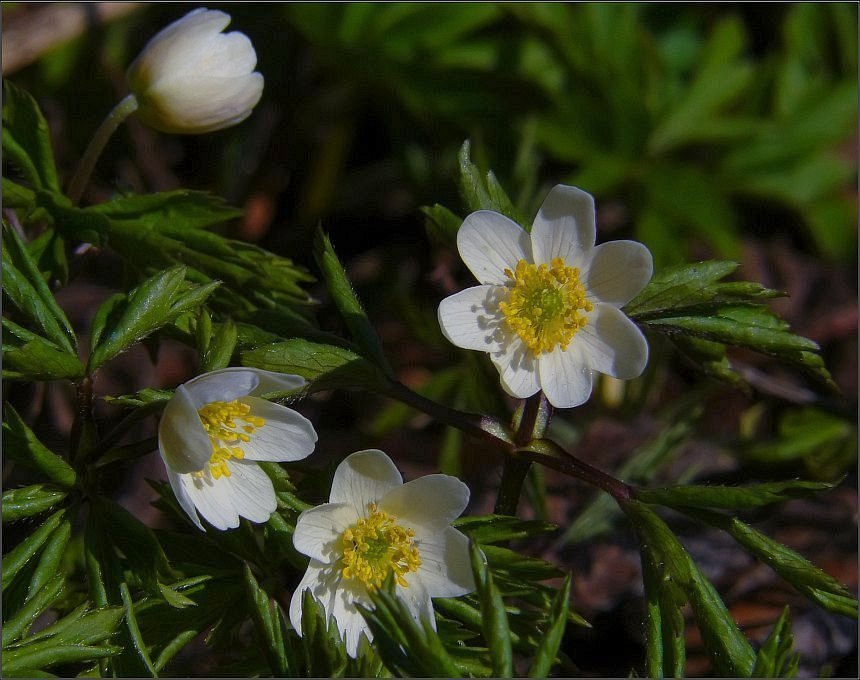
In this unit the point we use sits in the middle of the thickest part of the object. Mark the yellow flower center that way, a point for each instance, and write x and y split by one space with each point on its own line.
545 305
220 420
377 545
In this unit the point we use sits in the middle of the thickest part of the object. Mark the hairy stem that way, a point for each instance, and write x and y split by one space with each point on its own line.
530 422
97 144
543 451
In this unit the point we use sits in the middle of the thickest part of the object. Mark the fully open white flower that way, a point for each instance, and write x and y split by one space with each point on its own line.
373 525
191 78
214 429
548 310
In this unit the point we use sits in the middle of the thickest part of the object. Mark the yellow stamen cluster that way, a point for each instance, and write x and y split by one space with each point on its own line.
377 545
545 304
219 419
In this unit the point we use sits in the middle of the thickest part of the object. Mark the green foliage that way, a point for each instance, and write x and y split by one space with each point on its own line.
122 322
22 446
730 653
324 366
27 139
347 303
689 301
674 120
29 501
776 658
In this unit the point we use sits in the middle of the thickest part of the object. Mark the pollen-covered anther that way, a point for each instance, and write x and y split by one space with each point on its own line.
219 419
376 545
546 304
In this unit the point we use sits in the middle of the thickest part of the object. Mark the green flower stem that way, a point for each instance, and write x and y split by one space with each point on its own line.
530 422
97 144
83 434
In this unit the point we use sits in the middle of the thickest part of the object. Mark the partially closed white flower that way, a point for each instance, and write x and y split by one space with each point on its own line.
548 310
191 78
214 429
373 525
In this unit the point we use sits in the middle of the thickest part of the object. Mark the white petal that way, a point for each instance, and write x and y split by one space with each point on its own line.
286 435
182 439
227 384
350 622
471 318
223 55
489 243
364 477
319 530
445 569
618 271
431 502
212 498
270 381
250 490
564 226
565 377
322 582
182 496
517 369
186 105
167 49
612 344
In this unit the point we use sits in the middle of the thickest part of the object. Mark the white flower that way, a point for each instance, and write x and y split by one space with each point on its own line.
212 431
548 311
375 524
190 78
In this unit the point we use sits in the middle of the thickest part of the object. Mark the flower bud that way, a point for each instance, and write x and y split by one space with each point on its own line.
192 78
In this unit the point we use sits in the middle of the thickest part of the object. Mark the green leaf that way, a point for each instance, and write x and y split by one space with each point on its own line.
730 653
737 497
497 528
808 579
27 138
20 660
82 626
151 305
29 501
26 550
25 617
776 658
689 302
220 350
442 224
270 625
182 208
407 647
17 197
25 287
550 641
27 356
326 367
479 193
721 78
51 559
347 303
134 633
137 542
664 621
322 647
496 630
22 446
